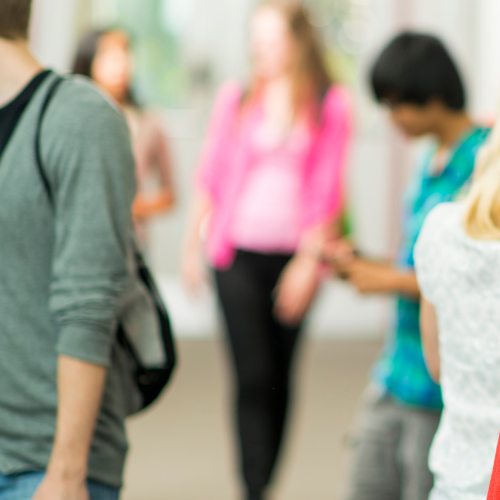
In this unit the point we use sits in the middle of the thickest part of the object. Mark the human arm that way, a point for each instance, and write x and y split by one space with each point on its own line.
322 207
156 152
301 278
369 277
88 160
80 389
164 156
209 181
192 267
296 289
430 339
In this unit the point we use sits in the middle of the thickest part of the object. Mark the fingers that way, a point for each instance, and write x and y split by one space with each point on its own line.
339 255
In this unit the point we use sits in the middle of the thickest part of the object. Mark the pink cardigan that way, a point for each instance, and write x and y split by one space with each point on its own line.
227 158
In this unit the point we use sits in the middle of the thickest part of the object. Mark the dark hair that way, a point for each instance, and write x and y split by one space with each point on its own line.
15 19
415 68
86 53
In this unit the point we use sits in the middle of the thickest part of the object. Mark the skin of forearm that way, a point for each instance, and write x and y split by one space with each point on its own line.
430 339
80 390
406 283
201 208
375 277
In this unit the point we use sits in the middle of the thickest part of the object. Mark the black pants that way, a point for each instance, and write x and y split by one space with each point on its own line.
262 349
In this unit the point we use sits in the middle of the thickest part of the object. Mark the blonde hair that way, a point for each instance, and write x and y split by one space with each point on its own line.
482 218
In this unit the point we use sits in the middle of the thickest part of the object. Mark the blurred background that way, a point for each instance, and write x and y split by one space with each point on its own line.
184 49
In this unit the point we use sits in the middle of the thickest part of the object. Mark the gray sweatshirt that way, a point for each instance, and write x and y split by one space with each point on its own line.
62 272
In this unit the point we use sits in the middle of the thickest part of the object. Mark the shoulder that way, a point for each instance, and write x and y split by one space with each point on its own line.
444 215
229 94
441 222
338 104
84 131
473 143
338 97
230 88
151 122
479 135
80 108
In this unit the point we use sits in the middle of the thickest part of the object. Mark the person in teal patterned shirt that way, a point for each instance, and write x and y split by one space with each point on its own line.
416 78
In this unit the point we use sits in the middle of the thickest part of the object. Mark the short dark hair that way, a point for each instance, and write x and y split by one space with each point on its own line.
15 19
415 68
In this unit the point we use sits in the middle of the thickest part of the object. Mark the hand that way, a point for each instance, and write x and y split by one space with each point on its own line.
339 254
370 277
155 204
296 289
57 487
193 271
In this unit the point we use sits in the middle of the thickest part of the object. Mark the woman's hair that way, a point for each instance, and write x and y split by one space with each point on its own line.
14 19
310 75
415 68
482 218
86 53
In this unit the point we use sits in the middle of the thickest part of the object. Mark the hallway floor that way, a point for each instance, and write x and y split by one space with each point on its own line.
182 448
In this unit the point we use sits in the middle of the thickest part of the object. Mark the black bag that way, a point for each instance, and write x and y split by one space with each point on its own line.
148 382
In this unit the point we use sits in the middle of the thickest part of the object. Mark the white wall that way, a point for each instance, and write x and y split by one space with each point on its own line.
53 31
486 64
470 28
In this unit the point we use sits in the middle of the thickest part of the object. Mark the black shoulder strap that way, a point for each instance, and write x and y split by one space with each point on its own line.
38 152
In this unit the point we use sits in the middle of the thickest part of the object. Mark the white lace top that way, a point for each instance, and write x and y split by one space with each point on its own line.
461 277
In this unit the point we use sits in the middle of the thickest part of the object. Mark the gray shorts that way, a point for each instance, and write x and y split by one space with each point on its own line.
391 450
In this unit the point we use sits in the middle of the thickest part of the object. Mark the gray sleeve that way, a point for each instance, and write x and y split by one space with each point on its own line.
91 167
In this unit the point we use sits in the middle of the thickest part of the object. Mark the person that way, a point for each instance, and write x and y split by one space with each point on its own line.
104 56
271 183
416 78
64 267
457 260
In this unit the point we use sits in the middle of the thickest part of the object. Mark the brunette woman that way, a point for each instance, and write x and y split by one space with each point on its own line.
105 57
270 189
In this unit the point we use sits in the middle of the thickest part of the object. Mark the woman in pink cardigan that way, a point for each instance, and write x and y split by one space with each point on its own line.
269 193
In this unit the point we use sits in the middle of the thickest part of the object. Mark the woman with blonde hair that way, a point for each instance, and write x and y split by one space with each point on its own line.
458 268
270 185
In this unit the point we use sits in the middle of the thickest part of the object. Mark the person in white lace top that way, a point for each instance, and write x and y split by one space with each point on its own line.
458 268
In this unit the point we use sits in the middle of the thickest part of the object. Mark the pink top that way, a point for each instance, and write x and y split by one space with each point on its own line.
236 180
267 215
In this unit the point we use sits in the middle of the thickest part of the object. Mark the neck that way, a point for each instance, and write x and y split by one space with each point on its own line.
17 69
280 84
278 101
452 127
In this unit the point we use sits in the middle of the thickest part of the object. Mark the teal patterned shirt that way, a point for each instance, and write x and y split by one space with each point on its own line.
401 370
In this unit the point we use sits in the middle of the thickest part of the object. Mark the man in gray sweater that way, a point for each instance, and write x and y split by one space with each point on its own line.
62 271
